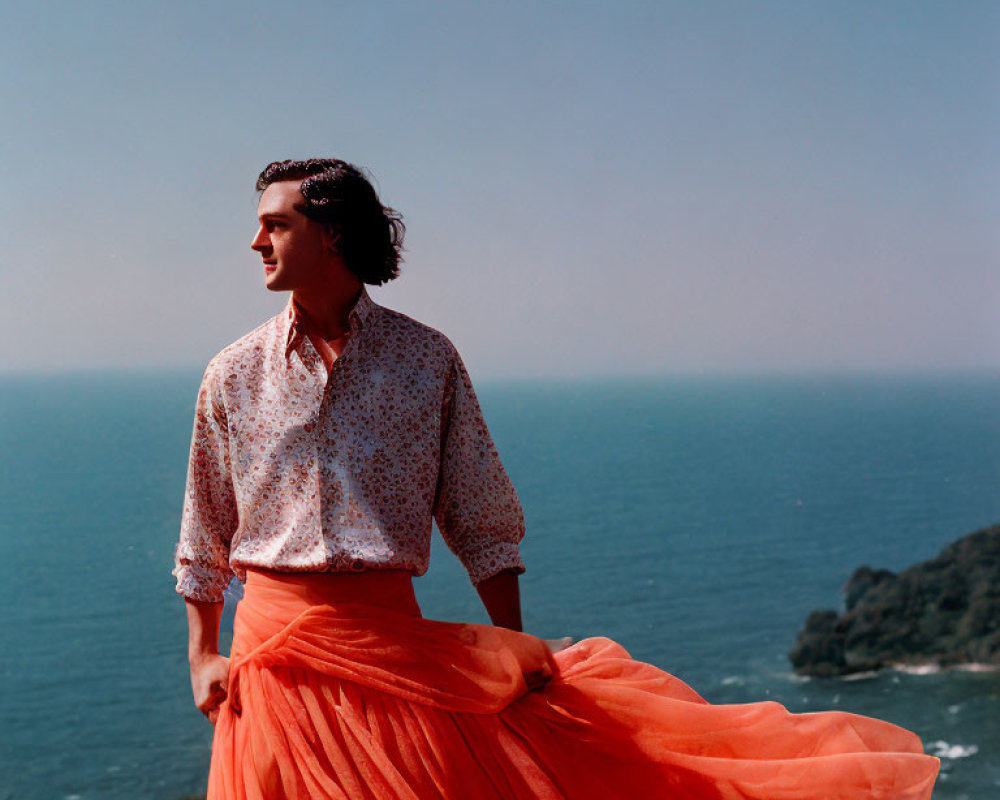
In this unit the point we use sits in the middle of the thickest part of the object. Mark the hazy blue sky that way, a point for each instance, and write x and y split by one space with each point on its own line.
589 188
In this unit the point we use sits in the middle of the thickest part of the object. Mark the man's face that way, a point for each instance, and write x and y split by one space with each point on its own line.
296 250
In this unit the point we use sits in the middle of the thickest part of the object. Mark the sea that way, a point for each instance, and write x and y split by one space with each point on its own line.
695 519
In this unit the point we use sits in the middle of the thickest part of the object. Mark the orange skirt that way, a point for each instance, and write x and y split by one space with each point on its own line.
339 688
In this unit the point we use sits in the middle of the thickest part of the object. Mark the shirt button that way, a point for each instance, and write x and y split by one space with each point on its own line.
358 564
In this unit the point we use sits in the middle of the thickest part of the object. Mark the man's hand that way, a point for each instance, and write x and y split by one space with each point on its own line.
209 683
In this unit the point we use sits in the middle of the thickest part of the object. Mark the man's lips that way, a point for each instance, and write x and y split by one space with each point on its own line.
270 266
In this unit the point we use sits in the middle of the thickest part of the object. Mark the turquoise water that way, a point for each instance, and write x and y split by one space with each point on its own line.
695 520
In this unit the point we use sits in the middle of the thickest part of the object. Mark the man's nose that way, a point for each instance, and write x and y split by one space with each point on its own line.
260 241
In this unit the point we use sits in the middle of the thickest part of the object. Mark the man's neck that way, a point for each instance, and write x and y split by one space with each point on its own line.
328 311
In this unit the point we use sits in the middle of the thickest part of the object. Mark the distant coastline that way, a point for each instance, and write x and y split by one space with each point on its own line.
941 614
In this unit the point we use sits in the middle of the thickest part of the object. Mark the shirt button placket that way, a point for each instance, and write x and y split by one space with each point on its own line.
328 494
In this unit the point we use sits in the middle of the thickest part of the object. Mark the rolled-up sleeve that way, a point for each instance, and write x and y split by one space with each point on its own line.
476 506
209 520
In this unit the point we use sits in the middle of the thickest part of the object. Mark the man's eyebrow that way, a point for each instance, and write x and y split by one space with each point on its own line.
273 215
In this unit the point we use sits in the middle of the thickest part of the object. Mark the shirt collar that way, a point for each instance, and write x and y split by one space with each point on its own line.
295 331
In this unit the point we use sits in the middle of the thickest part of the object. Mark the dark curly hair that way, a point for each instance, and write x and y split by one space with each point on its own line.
340 196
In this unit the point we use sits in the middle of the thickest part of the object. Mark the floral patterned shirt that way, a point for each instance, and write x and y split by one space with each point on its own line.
303 464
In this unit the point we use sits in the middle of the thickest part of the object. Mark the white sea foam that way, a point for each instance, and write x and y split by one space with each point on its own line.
975 667
733 680
861 676
918 669
942 749
934 669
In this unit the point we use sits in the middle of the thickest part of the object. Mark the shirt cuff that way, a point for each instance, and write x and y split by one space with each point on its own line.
493 559
204 584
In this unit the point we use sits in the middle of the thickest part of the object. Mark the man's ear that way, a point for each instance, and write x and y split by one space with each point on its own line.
331 237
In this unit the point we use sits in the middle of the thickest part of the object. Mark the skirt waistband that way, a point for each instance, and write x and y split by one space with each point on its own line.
287 594
272 600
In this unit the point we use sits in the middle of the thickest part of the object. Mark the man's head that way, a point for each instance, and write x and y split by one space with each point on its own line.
349 221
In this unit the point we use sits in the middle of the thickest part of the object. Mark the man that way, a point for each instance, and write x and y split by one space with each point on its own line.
325 439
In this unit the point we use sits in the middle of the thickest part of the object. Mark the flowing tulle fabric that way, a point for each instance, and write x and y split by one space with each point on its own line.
340 689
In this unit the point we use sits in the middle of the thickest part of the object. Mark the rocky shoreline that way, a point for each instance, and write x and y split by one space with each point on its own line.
944 612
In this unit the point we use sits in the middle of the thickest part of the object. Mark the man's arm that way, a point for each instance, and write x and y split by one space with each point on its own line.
475 505
201 561
501 594
209 670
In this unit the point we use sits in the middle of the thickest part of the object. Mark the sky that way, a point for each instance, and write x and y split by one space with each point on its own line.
589 189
